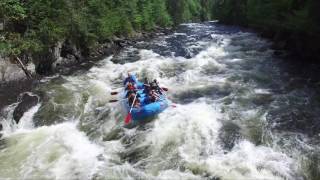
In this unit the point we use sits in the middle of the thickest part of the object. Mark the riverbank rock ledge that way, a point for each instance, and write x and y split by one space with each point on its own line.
10 71
65 55
27 102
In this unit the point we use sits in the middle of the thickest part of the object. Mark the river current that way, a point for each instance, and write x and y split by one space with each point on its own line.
240 114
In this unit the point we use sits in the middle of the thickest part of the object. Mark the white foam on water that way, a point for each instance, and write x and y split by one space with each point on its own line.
182 143
26 121
176 124
180 34
247 161
175 174
7 119
193 130
54 152
262 91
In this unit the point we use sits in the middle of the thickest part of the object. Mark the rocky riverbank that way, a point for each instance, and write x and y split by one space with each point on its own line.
65 56
64 59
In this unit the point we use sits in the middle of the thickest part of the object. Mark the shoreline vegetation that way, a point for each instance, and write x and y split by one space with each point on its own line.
60 36
53 34
43 37
292 25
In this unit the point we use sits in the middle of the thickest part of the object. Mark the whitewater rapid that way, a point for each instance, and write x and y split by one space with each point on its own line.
221 81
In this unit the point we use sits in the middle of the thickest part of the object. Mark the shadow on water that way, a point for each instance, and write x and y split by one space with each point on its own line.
127 55
135 154
135 150
114 134
295 118
172 70
3 143
311 164
211 92
229 135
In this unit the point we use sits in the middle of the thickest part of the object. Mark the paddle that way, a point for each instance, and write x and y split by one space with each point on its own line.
128 117
115 93
116 100
164 89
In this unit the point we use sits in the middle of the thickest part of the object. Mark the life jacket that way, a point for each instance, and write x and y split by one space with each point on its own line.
131 79
131 87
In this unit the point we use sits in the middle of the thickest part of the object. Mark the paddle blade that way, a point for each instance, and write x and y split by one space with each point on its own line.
128 119
112 101
165 89
114 93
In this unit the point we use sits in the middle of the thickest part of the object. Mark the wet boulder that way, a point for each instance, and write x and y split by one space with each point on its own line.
69 55
27 102
45 59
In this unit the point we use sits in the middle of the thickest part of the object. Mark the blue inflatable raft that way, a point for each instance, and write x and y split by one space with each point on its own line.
147 109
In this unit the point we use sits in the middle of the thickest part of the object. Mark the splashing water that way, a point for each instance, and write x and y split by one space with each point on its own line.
225 82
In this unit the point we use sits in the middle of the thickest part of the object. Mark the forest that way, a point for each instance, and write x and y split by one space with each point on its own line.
160 89
31 28
294 23
35 25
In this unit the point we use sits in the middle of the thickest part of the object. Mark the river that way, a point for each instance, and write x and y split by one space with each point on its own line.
240 114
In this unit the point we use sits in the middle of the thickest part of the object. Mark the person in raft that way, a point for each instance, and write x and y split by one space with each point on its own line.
155 86
128 79
131 89
153 96
130 86
146 86
136 103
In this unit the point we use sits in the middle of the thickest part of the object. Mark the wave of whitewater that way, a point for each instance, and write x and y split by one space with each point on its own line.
219 78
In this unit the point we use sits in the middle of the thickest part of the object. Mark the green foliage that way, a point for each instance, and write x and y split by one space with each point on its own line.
12 9
288 15
34 26
160 14
189 10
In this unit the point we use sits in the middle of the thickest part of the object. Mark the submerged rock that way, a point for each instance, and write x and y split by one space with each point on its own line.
1 128
27 102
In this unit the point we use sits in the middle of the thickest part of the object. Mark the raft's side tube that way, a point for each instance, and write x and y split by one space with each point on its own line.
149 110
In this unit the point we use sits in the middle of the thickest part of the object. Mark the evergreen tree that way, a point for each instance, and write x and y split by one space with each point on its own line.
34 26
